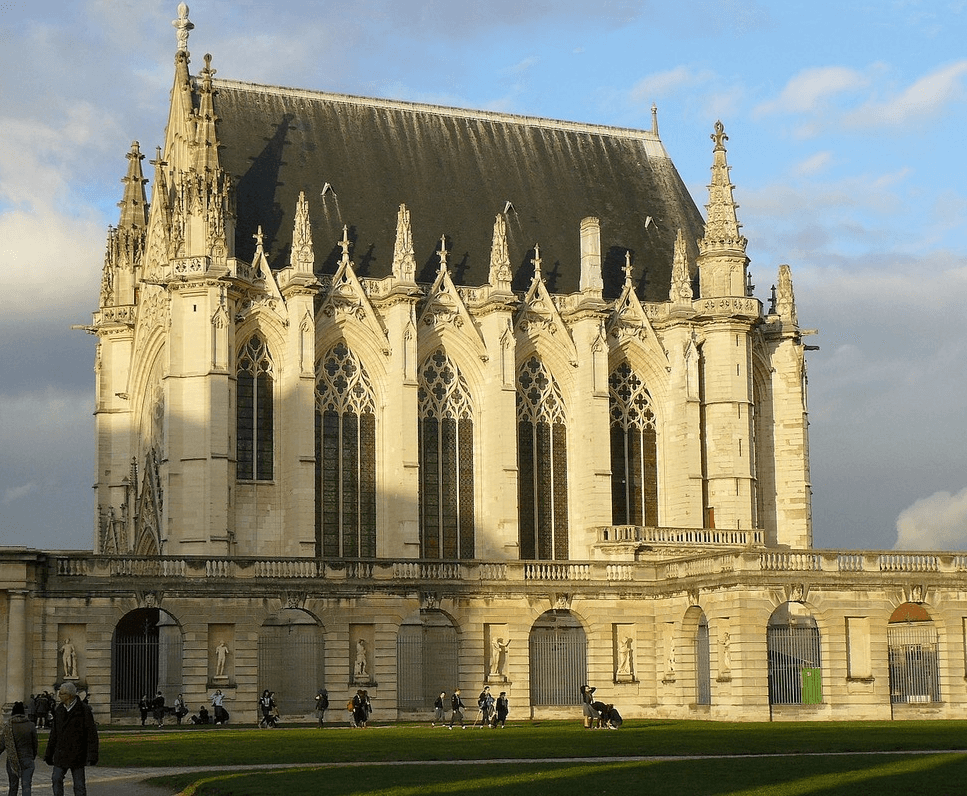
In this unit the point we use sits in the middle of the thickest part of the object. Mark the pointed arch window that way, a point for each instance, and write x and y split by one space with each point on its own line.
542 464
446 461
254 410
634 450
345 441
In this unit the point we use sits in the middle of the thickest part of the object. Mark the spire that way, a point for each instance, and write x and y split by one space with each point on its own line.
681 287
206 136
628 270
302 258
404 259
721 260
134 204
722 226
785 301
500 274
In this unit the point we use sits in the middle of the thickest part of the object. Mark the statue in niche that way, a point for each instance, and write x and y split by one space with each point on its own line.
726 652
498 657
626 652
221 657
360 671
69 658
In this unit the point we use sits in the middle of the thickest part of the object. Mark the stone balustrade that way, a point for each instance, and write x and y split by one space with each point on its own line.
703 562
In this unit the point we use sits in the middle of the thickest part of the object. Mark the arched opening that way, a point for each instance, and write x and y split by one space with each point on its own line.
426 660
146 655
291 652
558 659
795 668
912 649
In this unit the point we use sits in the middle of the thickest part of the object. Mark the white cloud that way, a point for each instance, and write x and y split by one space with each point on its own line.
809 90
668 83
927 97
813 164
10 494
938 522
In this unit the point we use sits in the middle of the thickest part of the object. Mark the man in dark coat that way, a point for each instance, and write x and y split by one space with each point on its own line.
73 741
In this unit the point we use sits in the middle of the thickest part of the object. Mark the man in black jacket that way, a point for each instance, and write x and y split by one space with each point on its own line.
73 741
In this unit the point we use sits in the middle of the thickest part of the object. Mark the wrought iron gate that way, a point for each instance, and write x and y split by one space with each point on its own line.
914 671
146 656
291 664
793 650
426 660
558 661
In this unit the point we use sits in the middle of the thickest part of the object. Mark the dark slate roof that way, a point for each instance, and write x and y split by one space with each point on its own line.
455 170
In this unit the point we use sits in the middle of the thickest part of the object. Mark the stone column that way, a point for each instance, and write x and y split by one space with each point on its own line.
16 645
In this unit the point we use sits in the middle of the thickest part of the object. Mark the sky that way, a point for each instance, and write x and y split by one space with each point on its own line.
846 124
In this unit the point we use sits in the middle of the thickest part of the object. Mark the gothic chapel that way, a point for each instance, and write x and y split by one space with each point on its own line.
410 398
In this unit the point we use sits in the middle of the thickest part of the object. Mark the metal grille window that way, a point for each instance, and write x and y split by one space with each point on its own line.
703 667
542 464
290 659
558 659
914 662
426 655
446 461
795 668
634 450
345 457
254 412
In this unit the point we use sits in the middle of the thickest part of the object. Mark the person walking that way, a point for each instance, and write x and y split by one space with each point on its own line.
181 709
359 709
457 706
73 741
502 708
158 706
322 705
439 709
265 705
144 706
485 707
19 738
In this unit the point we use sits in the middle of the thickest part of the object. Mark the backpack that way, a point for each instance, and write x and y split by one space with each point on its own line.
349 706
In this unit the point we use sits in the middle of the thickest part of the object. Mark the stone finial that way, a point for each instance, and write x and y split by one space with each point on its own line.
722 226
443 253
344 245
500 273
404 258
681 287
182 25
536 260
303 258
785 299
591 278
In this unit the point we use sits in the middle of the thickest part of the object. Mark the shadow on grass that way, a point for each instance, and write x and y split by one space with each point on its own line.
837 775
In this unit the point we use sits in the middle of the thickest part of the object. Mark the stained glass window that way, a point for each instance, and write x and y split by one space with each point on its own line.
446 461
634 450
254 412
542 464
345 441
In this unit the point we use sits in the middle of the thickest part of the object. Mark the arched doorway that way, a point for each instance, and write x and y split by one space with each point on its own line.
426 660
558 659
795 668
291 653
912 648
146 655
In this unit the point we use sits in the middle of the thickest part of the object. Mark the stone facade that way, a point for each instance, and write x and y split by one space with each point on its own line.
321 463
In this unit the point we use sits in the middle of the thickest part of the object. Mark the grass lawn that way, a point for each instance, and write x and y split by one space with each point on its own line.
825 767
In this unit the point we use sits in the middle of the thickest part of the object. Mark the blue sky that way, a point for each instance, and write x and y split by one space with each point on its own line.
846 126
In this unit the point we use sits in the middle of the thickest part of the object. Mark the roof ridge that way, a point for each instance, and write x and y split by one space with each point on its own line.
646 136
